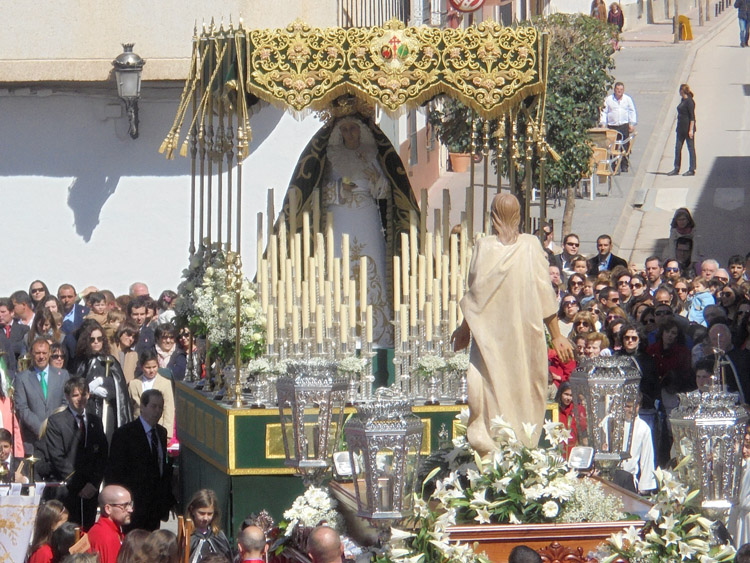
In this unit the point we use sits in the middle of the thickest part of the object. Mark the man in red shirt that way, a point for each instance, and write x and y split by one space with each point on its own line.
106 535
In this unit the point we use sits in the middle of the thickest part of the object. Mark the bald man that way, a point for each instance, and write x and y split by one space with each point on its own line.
252 545
324 546
106 535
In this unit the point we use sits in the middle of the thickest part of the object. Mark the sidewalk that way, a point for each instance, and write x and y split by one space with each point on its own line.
651 66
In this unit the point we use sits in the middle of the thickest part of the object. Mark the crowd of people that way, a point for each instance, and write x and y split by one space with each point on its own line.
681 318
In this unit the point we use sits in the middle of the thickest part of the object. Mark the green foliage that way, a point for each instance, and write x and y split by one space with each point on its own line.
580 62
452 125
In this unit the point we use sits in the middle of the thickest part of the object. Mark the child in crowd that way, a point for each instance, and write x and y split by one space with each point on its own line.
700 299
9 464
564 400
207 538
114 318
152 378
98 304
50 516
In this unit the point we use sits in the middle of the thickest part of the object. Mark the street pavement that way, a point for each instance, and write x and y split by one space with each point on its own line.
639 208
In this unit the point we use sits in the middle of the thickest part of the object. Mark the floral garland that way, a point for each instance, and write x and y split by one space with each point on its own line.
208 306
676 531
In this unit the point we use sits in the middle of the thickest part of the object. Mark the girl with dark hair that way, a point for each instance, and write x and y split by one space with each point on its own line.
50 516
62 540
130 551
576 282
38 291
207 538
45 325
109 397
685 131
569 308
171 356
671 355
567 413
53 304
681 227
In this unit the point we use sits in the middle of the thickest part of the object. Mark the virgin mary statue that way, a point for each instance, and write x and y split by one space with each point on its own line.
354 170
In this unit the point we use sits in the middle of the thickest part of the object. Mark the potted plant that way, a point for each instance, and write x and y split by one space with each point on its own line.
452 126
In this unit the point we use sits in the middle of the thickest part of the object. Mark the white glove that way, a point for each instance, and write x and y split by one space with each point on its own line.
95 384
100 392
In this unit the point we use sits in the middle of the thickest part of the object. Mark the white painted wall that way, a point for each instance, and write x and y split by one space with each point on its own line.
84 203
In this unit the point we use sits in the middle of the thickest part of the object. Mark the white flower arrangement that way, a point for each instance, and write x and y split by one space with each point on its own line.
352 364
259 365
458 363
429 364
676 531
590 503
311 508
205 302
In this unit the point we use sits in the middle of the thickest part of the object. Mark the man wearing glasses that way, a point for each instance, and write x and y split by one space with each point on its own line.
73 451
672 271
39 393
605 260
570 249
106 535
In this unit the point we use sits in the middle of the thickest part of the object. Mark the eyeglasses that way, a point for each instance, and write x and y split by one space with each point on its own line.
681 289
576 244
582 323
727 294
122 505
167 337
37 290
595 311
576 283
636 285
623 282
570 303
57 356
629 338
93 339
185 335
672 269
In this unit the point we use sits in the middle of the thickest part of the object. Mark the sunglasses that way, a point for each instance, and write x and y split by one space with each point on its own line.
93 339
672 269
629 338
649 321
37 290
570 303
57 357
582 323
576 244
681 289
623 282
636 285
576 284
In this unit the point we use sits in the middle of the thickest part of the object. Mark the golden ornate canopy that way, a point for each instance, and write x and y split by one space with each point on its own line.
490 68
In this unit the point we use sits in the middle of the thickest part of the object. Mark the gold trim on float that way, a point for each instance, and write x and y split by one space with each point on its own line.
439 408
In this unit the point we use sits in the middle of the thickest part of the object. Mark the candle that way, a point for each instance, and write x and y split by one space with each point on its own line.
319 262
270 336
263 275
454 263
451 317
336 281
353 304
326 296
396 283
345 267
344 326
363 284
282 240
273 257
464 254
329 245
429 263
413 242
403 322
412 300
369 324
259 244
436 303
306 240
305 306
421 281
295 325
281 306
427 315
288 284
444 282
297 265
311 283
438 255
319 330
270 212
292 211
405 263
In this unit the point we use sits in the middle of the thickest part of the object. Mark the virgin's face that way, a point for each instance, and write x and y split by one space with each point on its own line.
350 134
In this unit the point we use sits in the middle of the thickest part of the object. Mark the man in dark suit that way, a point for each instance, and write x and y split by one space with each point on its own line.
39 392
138 461
571 244
605 260
11 334
73 314
137 314
74 450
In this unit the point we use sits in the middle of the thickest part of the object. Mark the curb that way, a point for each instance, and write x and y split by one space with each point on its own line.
629 223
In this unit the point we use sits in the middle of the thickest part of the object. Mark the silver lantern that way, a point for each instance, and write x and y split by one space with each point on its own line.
310 436
384 440
709 428
605 392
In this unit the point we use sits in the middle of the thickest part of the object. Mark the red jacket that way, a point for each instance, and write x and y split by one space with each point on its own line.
105 538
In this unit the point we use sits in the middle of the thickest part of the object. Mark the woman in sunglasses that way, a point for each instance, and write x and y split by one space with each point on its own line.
108 390
575 285
569 307
730 300
38 291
